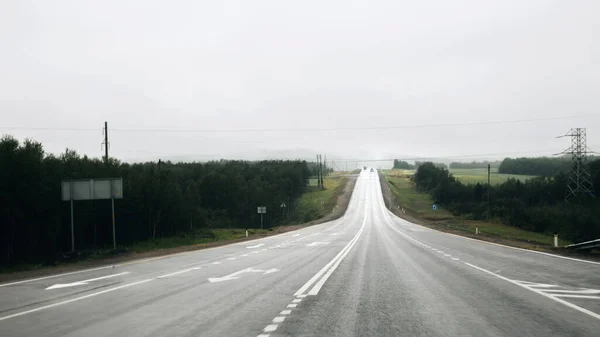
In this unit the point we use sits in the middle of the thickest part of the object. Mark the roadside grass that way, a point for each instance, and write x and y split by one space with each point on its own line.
414 202
199 236
495 229
317 203
419 205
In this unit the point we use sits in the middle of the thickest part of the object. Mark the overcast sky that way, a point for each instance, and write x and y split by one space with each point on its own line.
280 65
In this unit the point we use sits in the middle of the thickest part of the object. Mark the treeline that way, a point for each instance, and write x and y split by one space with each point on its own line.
474 164
160 199
536 205
404 165
541 166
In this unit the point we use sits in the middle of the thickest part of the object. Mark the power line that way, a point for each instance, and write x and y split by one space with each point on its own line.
373 128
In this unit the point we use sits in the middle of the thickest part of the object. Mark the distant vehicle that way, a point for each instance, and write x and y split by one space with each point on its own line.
372 170
364 167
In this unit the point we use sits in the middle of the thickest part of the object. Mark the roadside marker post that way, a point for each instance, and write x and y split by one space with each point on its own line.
555 240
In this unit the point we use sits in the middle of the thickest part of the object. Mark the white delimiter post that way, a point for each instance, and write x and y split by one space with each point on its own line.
555 240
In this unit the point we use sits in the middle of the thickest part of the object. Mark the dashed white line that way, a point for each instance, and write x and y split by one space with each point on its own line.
298 300
231 258
285 312
278 319
292 305
270 328
216 262
455 259
244 255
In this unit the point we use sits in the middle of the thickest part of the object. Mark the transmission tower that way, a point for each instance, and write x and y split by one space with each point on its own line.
580 179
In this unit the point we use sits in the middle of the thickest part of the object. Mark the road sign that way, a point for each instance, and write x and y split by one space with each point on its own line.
434 207
261 209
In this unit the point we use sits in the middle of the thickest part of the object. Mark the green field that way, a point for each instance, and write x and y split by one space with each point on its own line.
418 205
474 176
470 176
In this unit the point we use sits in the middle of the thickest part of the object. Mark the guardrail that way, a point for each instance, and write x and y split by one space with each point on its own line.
585 245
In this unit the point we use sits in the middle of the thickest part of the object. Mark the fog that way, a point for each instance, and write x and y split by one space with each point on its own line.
198 80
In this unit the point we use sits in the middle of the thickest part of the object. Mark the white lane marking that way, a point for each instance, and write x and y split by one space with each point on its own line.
541 285
231 258
256 246
497 244
264 249
84 282
317 243
234 276
217 262
285 312
321 282
578 296
447 255
263 335
57 275
295 235
292 305
179 272
332 262
256 252
455 259
537 291
278 319
580 291
270 328
74 299
301 296
298 300
245 255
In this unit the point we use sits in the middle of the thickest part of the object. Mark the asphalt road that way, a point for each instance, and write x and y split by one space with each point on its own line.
366 274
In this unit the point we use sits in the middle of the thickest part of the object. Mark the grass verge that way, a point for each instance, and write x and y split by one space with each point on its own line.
317 203
418 207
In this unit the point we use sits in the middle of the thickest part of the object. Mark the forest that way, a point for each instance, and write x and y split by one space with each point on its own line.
474 165
159 199
538 204
540 166
404 165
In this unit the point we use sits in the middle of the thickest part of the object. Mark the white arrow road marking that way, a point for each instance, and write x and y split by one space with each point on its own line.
257 246
84 282
234 276
316 243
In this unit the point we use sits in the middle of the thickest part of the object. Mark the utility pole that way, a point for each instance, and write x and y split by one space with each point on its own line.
105 143
488 192
325 164
580 179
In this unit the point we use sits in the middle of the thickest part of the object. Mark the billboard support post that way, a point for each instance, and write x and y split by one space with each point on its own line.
72 229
